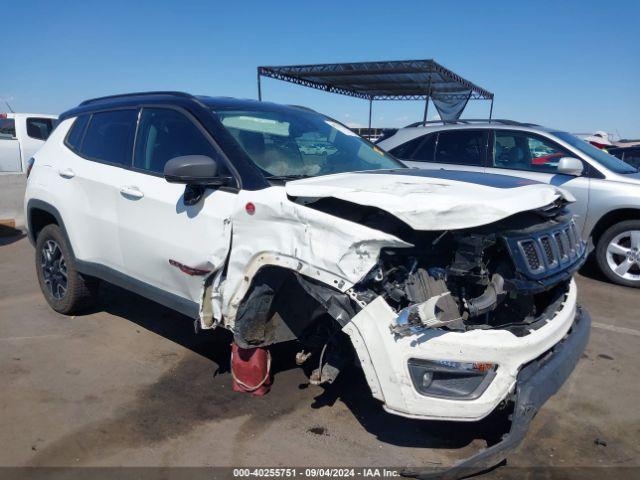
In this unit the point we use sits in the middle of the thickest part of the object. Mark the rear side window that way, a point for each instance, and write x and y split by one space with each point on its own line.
164 134
616 153
40 128
632 157
109 137
424 153
74 138
405 150
461 147
8 127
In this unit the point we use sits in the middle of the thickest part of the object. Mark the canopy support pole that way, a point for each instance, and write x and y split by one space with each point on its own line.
491 109
259 88
370 107
426 110
426 103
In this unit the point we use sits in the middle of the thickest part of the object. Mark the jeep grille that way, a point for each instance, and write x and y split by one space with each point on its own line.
545 253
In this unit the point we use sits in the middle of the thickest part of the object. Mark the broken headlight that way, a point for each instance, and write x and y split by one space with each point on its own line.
454 380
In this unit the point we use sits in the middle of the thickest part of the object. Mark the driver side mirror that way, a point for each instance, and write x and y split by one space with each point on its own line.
197 170
570 166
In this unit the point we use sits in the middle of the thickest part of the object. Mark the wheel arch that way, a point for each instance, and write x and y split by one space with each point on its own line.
287 314
611 218
39 215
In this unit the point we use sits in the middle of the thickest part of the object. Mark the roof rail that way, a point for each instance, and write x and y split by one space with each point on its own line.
136 94
468 121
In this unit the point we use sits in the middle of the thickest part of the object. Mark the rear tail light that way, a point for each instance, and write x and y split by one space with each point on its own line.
30 165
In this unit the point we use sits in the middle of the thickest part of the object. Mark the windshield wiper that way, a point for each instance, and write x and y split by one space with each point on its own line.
287 177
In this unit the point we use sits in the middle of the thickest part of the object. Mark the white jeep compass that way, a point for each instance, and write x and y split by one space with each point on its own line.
454 289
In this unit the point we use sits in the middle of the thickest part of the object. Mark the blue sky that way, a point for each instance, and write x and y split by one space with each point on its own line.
567 64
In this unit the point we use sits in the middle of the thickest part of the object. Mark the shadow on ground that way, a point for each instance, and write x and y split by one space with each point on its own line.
197 389
9 235
590 270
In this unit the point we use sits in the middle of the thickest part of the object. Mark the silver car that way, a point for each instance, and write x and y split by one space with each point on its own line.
607 189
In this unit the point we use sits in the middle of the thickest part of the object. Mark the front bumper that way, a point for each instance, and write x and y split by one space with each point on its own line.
536 383
384 359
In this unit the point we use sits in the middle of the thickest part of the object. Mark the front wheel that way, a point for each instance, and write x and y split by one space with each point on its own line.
65 289
618 253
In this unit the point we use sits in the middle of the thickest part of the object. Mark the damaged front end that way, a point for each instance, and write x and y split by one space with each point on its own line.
501 276
510 277
441 322
470 321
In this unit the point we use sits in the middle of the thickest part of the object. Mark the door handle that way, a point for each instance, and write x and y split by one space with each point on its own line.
131 192
66 173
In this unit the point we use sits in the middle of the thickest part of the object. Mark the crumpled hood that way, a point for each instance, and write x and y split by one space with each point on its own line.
433 199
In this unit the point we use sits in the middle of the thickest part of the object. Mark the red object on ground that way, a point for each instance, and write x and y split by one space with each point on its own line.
251 370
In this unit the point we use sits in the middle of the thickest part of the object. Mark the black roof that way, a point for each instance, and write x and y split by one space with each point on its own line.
387 80
232 103
134 96
170 97
126 100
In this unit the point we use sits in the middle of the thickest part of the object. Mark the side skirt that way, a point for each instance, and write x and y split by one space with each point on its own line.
186 307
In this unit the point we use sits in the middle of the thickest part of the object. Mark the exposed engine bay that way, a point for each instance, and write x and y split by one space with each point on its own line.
480 278
501 275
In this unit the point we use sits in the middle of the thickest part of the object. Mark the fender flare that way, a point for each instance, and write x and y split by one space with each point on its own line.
36 204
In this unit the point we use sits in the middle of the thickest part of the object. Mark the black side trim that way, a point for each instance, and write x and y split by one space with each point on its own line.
537 382
170 300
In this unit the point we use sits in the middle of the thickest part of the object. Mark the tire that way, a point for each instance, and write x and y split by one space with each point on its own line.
66 290
618 253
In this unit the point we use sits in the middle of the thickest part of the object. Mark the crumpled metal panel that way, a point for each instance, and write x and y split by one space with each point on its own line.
426 203
280 232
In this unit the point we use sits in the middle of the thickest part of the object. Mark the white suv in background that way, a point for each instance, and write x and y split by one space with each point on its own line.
607 189
219 209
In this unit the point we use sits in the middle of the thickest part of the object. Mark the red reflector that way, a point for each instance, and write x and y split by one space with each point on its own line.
483 367
3 115
250 208
194 272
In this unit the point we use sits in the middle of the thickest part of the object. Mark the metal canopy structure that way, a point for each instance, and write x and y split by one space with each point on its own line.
390 80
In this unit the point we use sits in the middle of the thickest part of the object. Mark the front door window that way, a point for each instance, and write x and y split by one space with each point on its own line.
523 151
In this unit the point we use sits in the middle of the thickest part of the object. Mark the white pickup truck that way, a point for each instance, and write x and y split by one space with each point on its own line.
21 136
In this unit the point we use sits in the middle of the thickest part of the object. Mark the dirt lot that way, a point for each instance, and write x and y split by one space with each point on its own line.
131 384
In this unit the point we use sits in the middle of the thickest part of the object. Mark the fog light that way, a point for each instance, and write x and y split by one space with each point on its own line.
448 379
427 378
